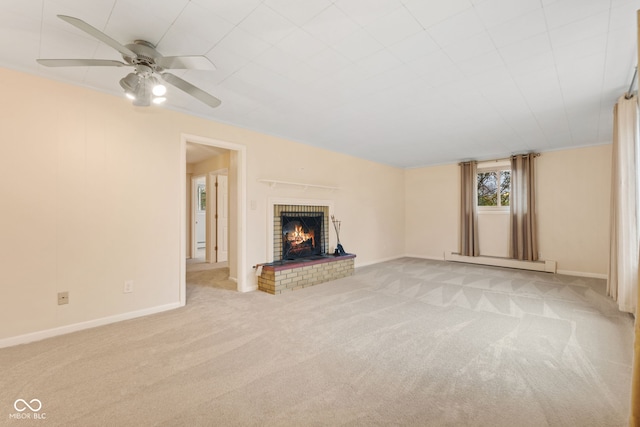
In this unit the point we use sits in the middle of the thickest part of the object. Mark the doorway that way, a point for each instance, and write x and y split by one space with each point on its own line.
235 200
209 220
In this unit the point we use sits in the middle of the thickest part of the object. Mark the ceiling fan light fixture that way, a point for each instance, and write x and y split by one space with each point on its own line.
159 99
130 95
159 89
130 82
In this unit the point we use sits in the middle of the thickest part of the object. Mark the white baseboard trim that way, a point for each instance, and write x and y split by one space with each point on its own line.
544 266
429 257
365 264
583 274
62 330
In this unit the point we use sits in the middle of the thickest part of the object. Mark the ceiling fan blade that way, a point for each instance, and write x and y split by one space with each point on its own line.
187 87
186 62
80 63
94 32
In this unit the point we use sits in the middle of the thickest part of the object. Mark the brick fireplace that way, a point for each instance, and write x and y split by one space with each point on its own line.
301 258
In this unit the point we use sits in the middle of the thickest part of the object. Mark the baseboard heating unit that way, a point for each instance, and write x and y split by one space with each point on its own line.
545 266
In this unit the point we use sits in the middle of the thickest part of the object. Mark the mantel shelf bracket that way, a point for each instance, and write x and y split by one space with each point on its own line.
273 183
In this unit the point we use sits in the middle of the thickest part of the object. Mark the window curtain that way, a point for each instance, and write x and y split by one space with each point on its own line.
523 238
469 245
622 280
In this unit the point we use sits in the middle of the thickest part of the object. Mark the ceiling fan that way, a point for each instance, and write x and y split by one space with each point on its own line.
143 86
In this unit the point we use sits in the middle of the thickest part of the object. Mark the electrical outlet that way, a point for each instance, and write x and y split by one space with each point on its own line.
63 298
128 286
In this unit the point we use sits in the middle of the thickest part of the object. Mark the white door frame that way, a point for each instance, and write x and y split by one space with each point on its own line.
240 226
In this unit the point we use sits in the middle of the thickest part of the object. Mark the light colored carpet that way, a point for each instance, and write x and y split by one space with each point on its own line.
406 342
206 275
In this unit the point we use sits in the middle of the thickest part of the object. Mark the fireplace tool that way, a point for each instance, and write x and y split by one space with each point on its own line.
336 224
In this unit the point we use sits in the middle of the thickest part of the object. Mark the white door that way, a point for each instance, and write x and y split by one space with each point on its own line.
222 218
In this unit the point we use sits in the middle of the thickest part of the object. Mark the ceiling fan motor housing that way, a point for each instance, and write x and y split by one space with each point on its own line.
145 59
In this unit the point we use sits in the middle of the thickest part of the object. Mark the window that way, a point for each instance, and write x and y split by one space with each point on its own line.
202 198
494 187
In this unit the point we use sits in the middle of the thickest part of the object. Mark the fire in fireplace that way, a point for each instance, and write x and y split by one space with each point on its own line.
301 234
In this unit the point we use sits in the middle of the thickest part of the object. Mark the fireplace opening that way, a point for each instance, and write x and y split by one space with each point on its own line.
301 234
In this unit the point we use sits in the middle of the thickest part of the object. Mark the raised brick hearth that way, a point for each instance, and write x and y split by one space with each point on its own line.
280 277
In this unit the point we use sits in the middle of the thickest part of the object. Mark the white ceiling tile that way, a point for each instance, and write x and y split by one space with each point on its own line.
378 63
328 61
580 30
66 42
587 116
287 66
470 48
436 69
233 11
518 29
125 25
97 15
496 12
394 27
566 12
429 13
559 139
526 49
258 84
365 12
543 97
301 44
297 11
456 28
267 25
331 25
241 43
226 63
413 47
387 89
524 122
623 14
576 75
532 65
486 62
490 77
357 45
569 53
185 38
552 122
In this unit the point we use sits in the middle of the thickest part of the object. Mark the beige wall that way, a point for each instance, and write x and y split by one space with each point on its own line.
573 210
100 201
432 211
573 202
211 164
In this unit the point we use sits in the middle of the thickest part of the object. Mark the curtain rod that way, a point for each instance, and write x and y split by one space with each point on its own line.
499 160
629 95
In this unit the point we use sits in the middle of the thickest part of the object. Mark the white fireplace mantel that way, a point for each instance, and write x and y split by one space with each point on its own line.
273 183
